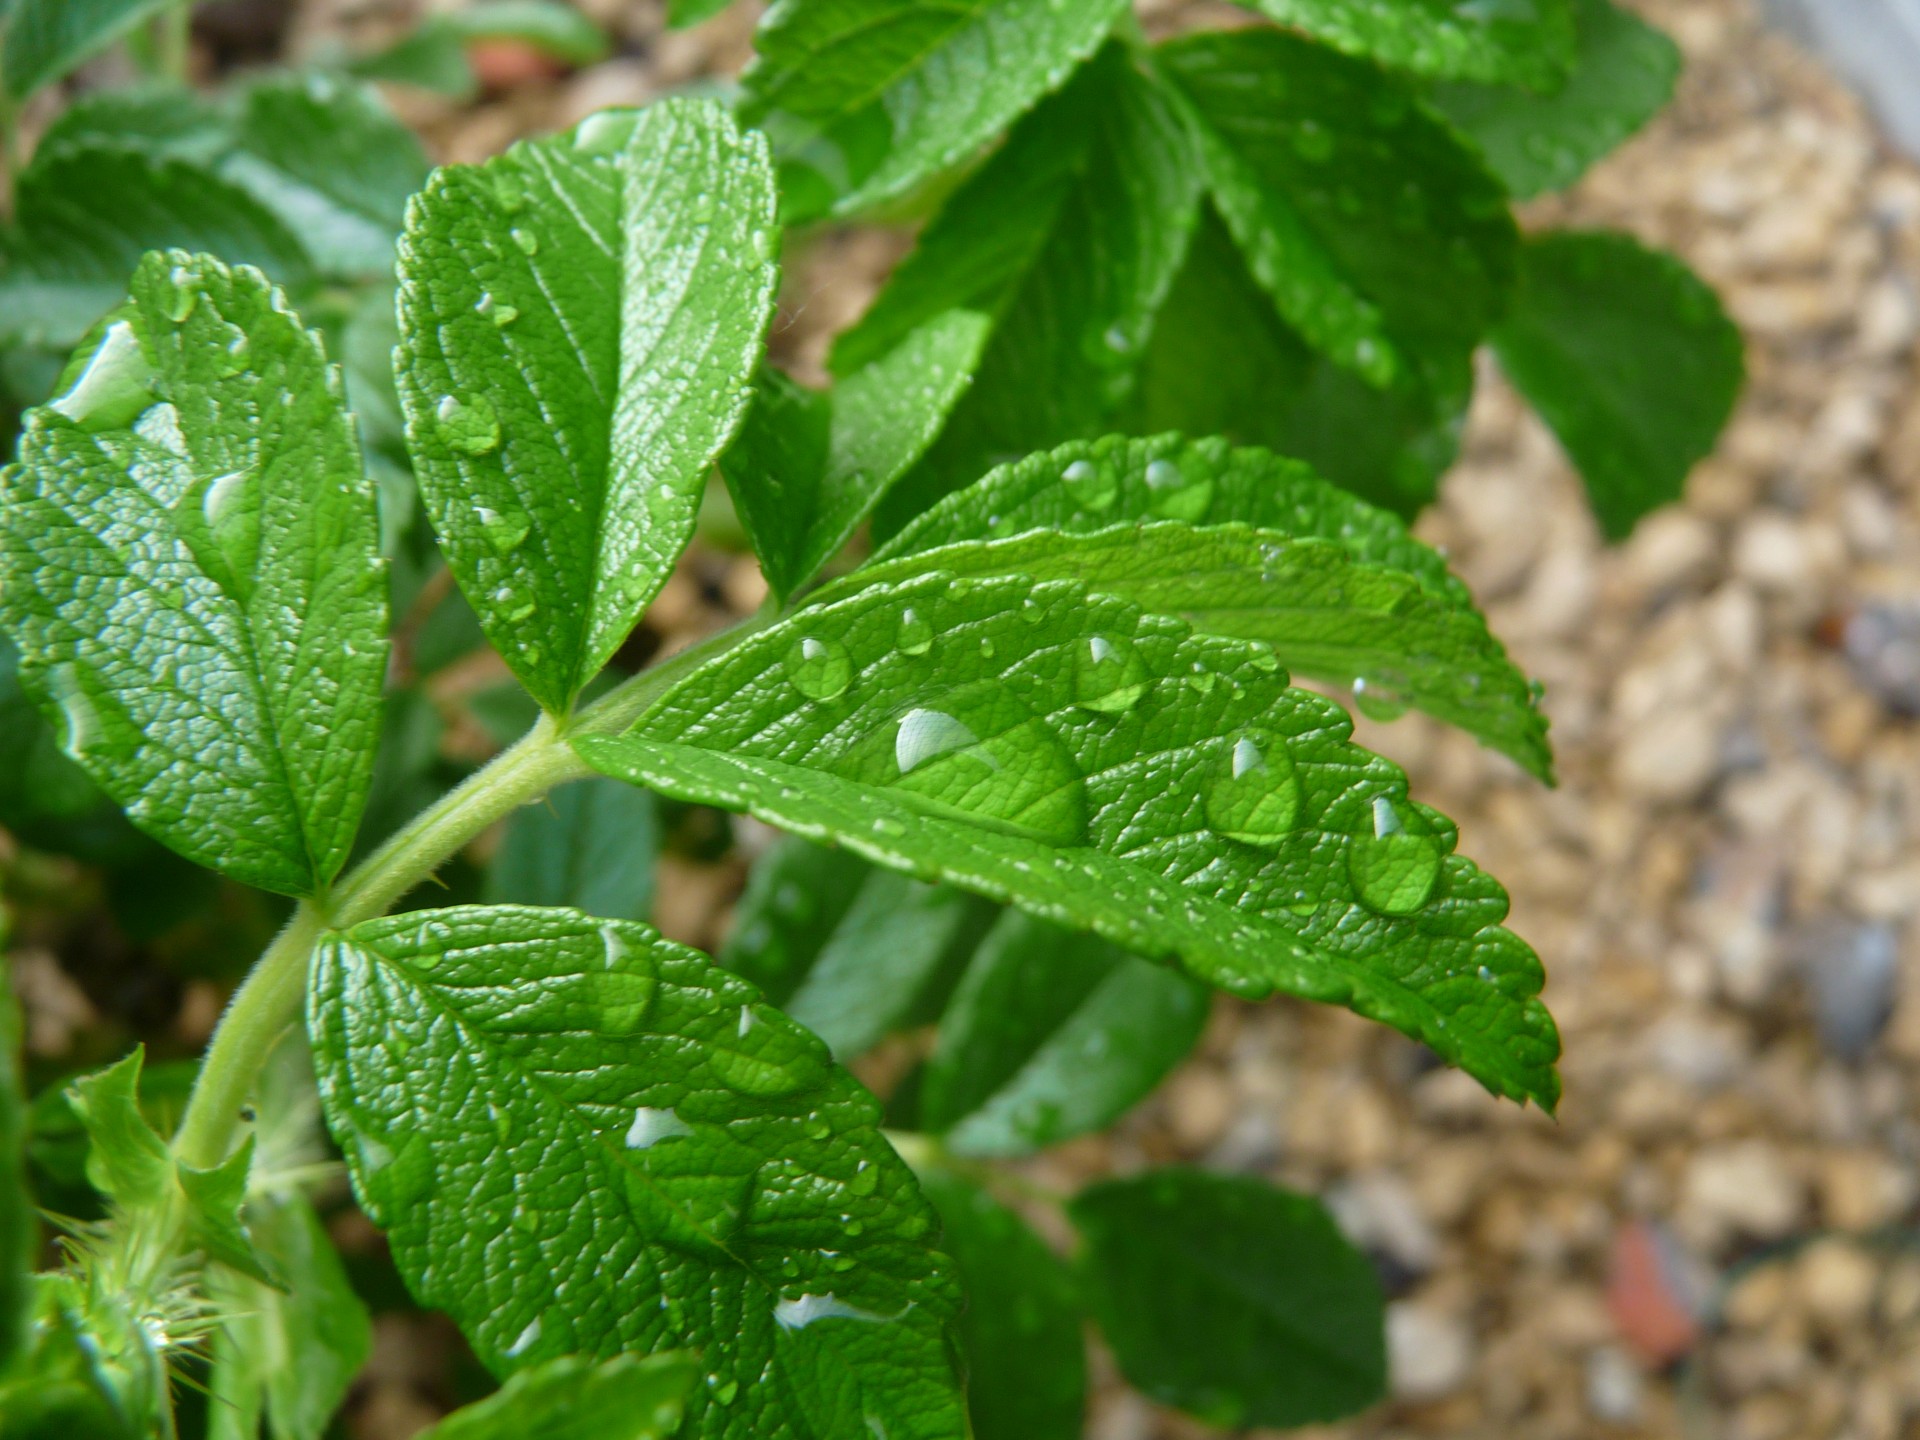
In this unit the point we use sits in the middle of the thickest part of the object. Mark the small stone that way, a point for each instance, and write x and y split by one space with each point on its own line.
1741 1189
1836 1282
1852 970
1429 1351
1614 1386
1200 1105
1756 1299
1769 553
1669 759
1863 1189
1379 1213
1653 1293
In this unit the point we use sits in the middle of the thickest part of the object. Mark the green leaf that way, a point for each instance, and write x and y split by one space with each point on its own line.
554 29
19 1230
1340 590
86 216
432 57
1629 356
1052 1034
47 38
126 1161
289 1352
582 1138
591 845
807 467
1623 74
1221 362
580 319
160 120
629 1397
328 158
847 950
682 13
1525 42
865 99
37 782
194 581
1234 1300
1066 241
63 1387
1026 1361
1379 236
214 1198
1105 797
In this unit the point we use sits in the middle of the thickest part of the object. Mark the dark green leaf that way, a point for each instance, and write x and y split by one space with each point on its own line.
591 845
37 783
1053 1034
963 730
865 99
86 216
582 1138
1221 362
433 57
289 1352
1066 241
845 949
1234 1300
580 318
1526 42
328 158
1340 590
806 467
161 120
214 1225
1622 75
626 1398
47 38
194 581
19 1230
1378 235
1026 1361
1629 356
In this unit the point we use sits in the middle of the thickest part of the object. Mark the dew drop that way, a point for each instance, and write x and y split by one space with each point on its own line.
1093 487
232 357
510 190
528 1338
1253 794
79 722
505 531
916 635
651 1126
925 734
115 386
819 669
727 1391
528 242
1108 675
1396 868
804 1310
1378 700
219 503
501 315
186 294
468 424
1175 497
605 133
986 647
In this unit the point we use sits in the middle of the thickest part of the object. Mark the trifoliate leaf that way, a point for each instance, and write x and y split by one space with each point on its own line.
47 38
847 950
1525 42
582 1138
1623 73
591 845
85 218
1026 1360
1051 1034
1340 590
1629 356
807 467
1231 1299
191 572
1170 793
288 1352
580 319
1065 241
867 98
1222 362
629 1397
1314 160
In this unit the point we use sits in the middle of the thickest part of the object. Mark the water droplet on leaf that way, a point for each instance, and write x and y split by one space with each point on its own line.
1093 487
115 385
1108 675
819 669
506 531
468 424
528 242
916 635
1253 794
1396 868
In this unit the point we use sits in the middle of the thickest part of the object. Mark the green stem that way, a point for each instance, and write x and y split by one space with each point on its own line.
173 41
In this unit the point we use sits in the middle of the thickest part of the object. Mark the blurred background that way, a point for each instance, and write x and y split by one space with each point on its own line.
1717 1237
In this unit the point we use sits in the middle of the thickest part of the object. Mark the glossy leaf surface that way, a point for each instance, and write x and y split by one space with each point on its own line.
1527 42
629 1397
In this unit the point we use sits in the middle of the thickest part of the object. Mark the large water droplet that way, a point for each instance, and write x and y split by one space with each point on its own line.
115 386
506 530
819 669
468 424
186 294
651 1126
1108 675
1378 699
978 751
916 635
1253 794
1395 868
1092 486
1175 497
802 1311
80 729
605 133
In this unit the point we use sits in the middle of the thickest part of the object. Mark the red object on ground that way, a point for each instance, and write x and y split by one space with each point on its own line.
503 64
1649 1295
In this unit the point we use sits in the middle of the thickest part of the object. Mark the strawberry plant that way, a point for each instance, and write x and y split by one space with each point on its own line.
1045 780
